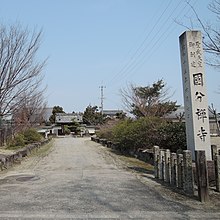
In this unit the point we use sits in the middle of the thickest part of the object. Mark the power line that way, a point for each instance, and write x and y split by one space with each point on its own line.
135 62
127 65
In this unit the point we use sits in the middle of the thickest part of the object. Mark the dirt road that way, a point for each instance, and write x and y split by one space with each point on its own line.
78 179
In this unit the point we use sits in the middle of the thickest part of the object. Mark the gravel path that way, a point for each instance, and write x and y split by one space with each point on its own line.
78 179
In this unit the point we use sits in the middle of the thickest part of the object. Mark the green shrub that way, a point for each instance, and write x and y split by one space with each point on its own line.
66 130
142 133
26 137
145 133
173 136
17 142
31 136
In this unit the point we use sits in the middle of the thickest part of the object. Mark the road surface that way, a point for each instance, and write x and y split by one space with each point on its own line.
78 180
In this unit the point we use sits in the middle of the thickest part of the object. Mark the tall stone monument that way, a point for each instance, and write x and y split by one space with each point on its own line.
195 95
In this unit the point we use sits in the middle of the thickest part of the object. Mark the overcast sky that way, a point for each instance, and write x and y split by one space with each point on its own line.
111 43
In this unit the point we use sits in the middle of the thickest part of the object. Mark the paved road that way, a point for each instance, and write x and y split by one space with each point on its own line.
78 180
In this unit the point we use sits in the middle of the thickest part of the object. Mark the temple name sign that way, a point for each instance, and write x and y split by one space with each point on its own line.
195 94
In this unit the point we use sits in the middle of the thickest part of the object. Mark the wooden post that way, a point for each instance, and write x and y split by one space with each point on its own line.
217 172
202 176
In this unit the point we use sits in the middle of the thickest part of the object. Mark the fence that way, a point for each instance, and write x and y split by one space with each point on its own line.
178 169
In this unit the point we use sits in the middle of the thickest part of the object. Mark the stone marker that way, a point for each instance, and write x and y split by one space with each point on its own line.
161 164
188 182
195 95
214 150
167 166
173 169
180 171
156 161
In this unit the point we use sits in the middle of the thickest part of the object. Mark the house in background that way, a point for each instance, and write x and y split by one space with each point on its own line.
112 113
214 121
68 119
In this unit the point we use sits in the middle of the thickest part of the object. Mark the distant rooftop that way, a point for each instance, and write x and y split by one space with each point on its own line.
62 118
112 112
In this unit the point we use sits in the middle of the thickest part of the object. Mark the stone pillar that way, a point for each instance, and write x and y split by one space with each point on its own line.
1 165
173 169
167 166
161 164
214 150
180 171
188 182
195 94
156 161
217 172
202 176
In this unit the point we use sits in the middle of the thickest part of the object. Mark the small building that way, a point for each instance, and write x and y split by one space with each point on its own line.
63 119
50 130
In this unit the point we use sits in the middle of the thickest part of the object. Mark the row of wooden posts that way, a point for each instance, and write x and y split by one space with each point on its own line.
177 170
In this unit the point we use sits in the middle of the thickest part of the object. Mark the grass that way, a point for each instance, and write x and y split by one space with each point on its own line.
137 165
43 151
14 147
133 163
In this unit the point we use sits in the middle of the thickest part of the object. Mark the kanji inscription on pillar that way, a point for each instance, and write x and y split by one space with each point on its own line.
195 95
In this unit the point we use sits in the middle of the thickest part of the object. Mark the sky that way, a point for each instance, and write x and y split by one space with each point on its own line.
109 43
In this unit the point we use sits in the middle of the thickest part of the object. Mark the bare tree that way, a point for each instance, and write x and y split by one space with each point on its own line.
20 73
211 33
30 112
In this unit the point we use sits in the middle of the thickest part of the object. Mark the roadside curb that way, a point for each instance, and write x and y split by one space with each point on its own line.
7 160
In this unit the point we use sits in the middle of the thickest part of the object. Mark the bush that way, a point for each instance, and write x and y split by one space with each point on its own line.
31 136
145 133
173 136
142 133
26 137
66 130
107 129
17 142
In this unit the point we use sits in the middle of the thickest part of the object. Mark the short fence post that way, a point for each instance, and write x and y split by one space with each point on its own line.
161 164
167 166
188 183
202 176
156 161
180 171
214 150
217 172
173 169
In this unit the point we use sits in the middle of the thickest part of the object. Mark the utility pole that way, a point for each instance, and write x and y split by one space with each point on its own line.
102 98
